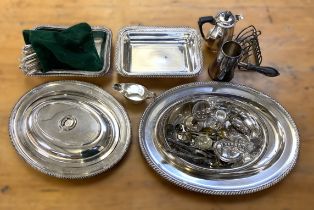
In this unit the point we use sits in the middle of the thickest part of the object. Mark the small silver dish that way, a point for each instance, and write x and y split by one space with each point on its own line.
102 38
144 51
219 138
69 129
134 92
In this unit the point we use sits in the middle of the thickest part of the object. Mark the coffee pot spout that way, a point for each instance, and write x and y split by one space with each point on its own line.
238 17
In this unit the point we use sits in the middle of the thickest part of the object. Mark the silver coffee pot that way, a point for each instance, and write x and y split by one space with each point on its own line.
224 23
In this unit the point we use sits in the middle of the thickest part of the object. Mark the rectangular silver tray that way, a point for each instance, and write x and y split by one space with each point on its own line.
146 51
103 49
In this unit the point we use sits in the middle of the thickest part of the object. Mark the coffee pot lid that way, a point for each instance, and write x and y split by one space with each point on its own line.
225 19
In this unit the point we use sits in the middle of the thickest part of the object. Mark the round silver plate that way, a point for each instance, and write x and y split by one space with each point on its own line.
70 129
219 138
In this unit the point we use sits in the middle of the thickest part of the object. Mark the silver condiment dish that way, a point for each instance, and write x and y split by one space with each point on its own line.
134 92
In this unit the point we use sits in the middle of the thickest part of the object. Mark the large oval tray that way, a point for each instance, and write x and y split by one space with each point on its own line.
69 129
219 138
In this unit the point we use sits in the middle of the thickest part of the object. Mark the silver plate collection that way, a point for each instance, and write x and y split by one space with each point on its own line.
144 51
209 137
219 138
70 129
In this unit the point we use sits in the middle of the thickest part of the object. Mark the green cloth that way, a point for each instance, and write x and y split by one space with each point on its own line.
70 49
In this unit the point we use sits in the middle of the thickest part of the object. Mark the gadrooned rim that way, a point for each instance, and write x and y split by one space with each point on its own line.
208 191
58 175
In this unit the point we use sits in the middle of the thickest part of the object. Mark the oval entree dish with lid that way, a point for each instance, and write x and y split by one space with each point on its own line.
70 129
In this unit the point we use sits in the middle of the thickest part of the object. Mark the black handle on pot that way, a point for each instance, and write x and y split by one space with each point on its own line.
266 70
203 20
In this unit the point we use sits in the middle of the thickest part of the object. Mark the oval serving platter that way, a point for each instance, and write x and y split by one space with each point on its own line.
219 138
69 129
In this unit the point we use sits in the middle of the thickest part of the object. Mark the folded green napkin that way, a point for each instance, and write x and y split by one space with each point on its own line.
70 49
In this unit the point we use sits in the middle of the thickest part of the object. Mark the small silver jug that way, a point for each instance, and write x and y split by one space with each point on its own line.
224 23
229 58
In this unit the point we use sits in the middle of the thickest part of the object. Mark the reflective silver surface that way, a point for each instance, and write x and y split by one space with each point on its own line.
31 67
227 60
134 92
69 129
158 52
224 23
219 138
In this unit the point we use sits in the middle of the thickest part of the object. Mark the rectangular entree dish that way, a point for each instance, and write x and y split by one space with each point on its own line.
102 38
144 51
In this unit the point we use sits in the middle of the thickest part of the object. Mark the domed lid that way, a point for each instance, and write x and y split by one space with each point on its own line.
225 19
70 129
